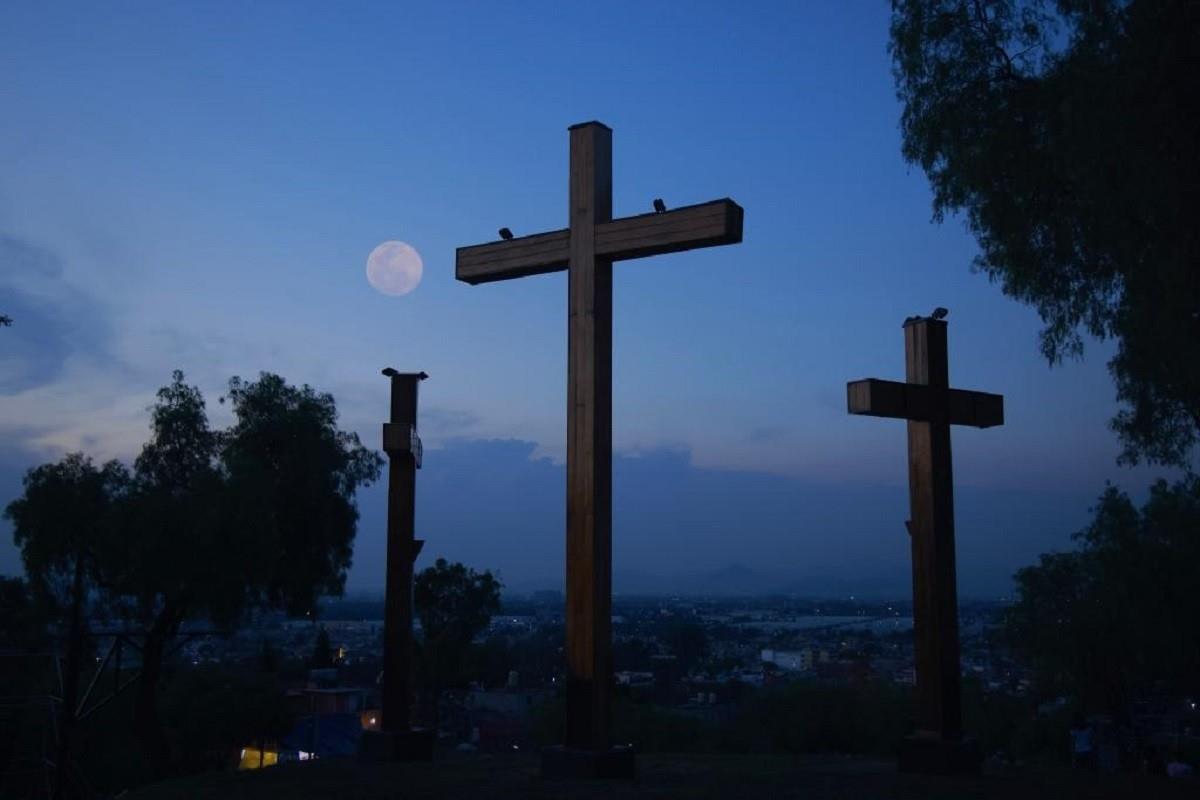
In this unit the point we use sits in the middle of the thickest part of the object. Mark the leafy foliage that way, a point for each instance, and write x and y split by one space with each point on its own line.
455 604
66 516
296 473
260 514
1117 615
176 553
1066 132
208 525
454 601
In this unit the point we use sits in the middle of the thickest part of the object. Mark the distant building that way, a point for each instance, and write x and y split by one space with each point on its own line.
791 660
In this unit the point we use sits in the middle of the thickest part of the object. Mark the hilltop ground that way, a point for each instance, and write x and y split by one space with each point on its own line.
659 776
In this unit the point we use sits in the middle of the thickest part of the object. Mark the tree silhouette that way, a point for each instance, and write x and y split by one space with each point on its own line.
295 474
62 524
1066 133
454 604
22 619
209 525
322 654
1118 615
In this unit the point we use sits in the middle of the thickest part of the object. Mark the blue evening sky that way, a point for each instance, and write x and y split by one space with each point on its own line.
198 186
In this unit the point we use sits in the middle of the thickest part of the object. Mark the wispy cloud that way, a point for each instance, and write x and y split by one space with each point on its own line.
52 319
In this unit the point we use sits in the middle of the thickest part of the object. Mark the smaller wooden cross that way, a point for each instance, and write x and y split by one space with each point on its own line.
931 407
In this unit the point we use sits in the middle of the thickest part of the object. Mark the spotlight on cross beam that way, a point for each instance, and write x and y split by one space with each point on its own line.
939 313
659 206
391 373
505 234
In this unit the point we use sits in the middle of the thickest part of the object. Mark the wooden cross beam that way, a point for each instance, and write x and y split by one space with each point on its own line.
652 234
930 406
587 249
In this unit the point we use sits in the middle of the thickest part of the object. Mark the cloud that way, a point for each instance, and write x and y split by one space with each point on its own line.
448 423
52 320
493 504
767 433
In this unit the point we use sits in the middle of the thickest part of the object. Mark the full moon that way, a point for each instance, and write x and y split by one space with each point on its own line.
394 268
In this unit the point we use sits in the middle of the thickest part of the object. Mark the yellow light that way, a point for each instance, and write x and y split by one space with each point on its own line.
253 758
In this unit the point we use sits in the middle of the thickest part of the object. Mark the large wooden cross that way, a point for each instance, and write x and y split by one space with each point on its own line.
587 249
931 407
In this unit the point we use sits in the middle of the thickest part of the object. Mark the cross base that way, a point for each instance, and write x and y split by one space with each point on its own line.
414 744
932 755
571 763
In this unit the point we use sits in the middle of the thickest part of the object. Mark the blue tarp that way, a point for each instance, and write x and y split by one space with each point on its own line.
326 736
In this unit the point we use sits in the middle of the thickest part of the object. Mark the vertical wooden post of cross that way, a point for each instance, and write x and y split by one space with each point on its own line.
589 444
931 503
930 407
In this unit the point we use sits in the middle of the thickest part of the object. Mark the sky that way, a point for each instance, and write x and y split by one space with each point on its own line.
198 187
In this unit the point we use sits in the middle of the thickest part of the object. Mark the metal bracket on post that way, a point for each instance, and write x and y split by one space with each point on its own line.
399 437
400 432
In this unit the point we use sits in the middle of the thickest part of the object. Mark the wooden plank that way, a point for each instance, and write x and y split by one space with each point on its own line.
589 445
703 225
877 398
527 255
976 409
897 400
931 498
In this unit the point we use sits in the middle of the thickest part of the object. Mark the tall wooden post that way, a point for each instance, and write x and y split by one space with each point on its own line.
930 406
397 739
931 502
589 444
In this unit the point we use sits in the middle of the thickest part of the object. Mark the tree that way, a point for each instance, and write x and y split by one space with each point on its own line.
24 673
210 524
322 654
260 515
295 474
1066 133
454 604
22 620
1117 616
62 524
179 554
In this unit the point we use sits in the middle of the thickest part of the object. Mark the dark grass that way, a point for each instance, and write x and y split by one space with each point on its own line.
659 776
